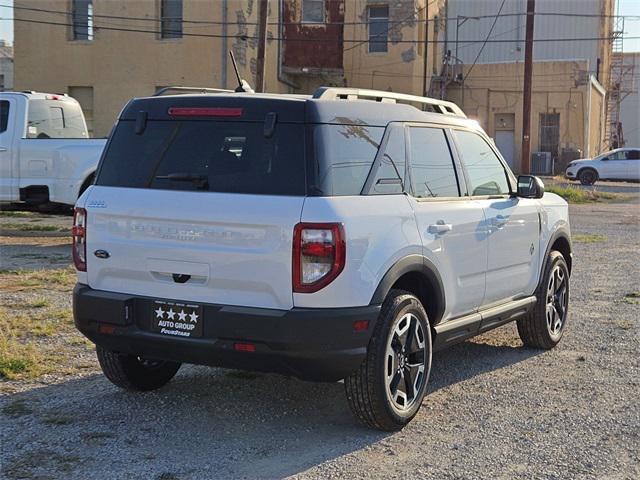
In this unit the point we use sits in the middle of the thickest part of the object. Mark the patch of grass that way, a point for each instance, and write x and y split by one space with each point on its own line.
630 300
16 214
579 195
241 375
17 408
39 303
30 227
589 238
18 360
633 295
56 418
59 278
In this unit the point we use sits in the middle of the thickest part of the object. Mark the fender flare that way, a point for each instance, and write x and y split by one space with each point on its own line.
413 263
560 232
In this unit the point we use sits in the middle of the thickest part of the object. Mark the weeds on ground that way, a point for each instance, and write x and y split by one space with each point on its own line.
589 238
61 279
16 214
579 195
31 227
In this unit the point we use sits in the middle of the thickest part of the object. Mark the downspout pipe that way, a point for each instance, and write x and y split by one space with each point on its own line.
281 77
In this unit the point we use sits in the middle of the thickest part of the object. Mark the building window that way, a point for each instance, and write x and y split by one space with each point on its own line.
82 13
1 82
84 96
378 28
550 133
170 18
313 11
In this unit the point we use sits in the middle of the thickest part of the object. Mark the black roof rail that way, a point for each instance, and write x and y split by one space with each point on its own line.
164 90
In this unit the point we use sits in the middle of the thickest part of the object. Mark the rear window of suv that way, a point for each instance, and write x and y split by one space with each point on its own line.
214 156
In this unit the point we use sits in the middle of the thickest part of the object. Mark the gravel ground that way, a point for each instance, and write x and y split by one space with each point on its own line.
495 409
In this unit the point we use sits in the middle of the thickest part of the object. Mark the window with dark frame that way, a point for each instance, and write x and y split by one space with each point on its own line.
550 133
378 28
82 18
170 18
313 11
432 169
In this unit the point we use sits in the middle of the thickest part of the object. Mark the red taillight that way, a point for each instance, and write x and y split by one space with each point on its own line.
79 239
244 347
319 254
205 112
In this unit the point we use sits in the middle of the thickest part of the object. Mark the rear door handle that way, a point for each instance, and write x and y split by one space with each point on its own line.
440 227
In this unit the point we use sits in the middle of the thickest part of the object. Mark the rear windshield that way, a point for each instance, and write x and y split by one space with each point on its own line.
214 156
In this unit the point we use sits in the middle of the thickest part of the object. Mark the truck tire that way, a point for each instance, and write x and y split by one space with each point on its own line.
135 373
545 325
388 388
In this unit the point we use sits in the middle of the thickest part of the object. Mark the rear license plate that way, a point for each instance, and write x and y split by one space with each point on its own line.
177 319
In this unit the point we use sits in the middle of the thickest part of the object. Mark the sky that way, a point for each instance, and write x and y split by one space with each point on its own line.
625 7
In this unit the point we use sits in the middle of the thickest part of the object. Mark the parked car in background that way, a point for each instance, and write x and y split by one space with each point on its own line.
46 156
618 164
341 236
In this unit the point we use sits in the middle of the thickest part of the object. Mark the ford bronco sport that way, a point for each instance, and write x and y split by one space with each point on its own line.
344 235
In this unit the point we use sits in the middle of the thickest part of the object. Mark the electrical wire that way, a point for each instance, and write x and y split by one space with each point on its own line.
493 25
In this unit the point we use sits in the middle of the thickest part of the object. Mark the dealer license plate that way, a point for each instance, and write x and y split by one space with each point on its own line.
177 319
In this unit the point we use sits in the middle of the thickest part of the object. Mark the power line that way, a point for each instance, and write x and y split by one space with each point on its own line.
212 22
495 20
292 40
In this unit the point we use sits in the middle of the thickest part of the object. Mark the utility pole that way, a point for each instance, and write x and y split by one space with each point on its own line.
262 41
528 78
426 46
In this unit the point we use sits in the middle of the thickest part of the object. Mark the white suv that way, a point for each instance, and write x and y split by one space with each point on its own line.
619 164
346 235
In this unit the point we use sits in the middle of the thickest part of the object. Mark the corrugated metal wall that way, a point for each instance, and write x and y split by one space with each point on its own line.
513 28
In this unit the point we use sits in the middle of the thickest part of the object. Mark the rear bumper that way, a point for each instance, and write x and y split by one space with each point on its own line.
312 344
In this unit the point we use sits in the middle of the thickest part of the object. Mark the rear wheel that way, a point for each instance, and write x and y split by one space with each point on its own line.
135 373
587 176
544 326
387 390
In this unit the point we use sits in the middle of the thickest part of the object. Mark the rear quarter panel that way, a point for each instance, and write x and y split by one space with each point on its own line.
379 231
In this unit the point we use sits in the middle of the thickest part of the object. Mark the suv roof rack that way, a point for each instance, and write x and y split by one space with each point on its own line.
437 106
164 90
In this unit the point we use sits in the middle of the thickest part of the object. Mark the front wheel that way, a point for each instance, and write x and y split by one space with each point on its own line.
387 390
135 373
588 176
545 325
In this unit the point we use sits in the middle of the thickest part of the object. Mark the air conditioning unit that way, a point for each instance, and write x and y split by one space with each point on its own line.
541 163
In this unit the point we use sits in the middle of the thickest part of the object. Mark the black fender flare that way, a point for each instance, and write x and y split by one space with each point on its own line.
413 263
560 232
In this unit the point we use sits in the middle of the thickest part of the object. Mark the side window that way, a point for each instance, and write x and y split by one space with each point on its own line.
344 155
4 115
390 174
633 154
55 119
432 170
486 174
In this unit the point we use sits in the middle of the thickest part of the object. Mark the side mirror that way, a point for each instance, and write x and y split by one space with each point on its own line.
530 186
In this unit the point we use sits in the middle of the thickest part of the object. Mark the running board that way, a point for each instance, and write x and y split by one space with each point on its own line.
463 328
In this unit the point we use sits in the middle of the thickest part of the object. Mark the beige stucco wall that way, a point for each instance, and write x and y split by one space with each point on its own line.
121 65
400 69
558 87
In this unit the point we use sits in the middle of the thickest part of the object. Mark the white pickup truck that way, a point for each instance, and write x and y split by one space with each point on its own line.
46 156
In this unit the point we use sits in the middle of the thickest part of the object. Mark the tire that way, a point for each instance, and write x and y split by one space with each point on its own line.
587 176
545 325
134 373
370 390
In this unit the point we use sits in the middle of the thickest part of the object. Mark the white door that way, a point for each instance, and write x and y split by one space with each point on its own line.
512 223
613 166
8 185
506 144
452 228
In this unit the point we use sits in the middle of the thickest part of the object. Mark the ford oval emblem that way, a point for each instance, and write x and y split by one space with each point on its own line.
101 254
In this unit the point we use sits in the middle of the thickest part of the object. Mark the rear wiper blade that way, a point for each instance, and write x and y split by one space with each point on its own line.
201 181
